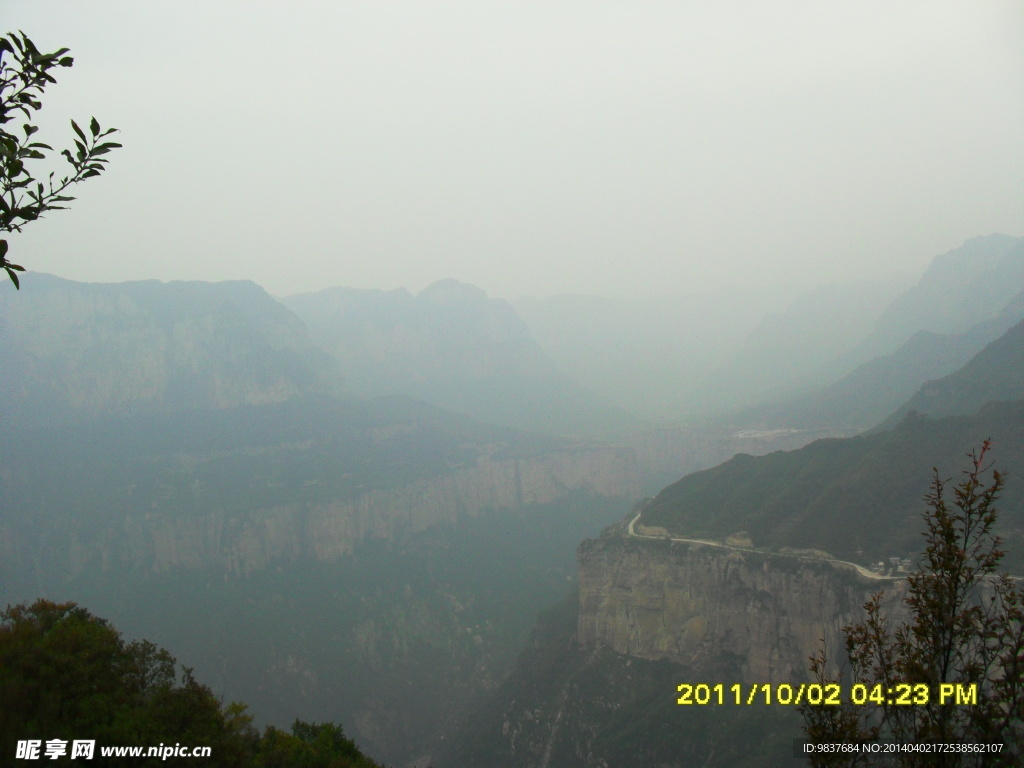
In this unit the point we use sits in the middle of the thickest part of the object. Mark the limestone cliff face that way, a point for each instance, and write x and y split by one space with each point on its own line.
242 543
701 606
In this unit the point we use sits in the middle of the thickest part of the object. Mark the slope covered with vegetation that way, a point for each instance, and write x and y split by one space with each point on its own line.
858 498
995 373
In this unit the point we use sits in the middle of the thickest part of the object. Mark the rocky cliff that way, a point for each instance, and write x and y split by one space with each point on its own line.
373 562
699 605
597 686
192 531
330 530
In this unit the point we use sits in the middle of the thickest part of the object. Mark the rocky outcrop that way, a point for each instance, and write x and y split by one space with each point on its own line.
699 605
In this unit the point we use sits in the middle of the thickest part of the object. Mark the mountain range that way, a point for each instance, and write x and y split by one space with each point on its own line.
351 505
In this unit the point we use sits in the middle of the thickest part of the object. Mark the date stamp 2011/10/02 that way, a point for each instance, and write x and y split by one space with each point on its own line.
827 694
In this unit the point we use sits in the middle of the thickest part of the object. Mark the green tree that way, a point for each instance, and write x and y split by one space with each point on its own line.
66 674
309 745
965 627
25 195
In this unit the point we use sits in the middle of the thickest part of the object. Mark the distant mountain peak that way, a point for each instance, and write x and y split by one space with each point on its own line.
451 291
976 255
78 351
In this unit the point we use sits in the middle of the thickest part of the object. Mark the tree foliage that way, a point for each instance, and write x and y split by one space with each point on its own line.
66 674
26 195
309 745
965 626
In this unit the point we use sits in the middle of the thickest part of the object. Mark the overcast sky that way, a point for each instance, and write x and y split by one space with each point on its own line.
531 148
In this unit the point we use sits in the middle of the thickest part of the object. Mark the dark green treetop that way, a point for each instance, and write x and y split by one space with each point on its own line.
66 674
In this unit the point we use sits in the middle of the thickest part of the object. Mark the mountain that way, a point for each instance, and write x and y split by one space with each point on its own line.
235 489
967 297
676 600
857 498
177 458
646 355
452 346
655 660
960 289
377 562
785 352
994 374
77 351
380 561
714 353
695 353
873 390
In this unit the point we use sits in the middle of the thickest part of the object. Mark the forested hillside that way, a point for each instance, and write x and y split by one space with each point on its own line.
856 498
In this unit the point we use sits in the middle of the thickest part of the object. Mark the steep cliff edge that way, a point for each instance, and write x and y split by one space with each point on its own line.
700 605
331 529
182 517
598 684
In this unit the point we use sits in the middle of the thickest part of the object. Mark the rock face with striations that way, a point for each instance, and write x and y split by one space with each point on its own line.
196 534
330 530
698 605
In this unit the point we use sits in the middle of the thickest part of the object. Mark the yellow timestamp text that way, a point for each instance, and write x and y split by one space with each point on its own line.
828 694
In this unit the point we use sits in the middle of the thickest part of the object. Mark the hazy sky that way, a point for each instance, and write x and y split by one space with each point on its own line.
532 148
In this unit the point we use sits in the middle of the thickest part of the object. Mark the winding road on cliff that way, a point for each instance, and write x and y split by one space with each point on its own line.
846 563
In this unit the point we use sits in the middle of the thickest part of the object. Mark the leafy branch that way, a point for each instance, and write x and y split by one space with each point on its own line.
966 627
24 75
